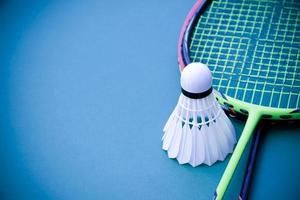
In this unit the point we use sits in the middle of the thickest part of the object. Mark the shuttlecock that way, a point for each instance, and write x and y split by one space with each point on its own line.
198 131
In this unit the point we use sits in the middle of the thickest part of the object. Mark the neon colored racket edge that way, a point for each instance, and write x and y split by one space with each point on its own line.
252 49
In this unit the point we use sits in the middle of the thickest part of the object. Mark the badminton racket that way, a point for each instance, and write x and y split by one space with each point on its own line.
252 49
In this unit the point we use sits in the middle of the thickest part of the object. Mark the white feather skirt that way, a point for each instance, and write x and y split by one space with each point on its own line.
198 131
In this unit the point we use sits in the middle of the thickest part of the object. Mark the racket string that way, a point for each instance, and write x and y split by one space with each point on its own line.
259 44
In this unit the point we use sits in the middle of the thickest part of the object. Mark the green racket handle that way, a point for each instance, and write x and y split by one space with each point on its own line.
253 119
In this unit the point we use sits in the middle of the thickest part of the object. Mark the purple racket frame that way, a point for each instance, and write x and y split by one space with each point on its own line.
181 61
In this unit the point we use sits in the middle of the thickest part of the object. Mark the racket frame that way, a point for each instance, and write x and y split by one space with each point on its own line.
254 112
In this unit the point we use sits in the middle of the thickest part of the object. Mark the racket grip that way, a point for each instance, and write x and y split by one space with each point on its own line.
254 117
250 165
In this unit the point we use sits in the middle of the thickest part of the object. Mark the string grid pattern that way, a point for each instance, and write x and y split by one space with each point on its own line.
253 50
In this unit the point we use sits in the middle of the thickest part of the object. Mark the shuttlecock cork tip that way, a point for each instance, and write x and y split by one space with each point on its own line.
196 78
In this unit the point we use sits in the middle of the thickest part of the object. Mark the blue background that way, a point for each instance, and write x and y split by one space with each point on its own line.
85 91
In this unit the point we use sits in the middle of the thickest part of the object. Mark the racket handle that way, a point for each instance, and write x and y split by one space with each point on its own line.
254 117
250 165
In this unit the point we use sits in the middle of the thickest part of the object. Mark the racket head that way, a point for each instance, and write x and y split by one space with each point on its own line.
253 51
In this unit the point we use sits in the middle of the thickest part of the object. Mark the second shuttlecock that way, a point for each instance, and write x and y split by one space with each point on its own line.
198 131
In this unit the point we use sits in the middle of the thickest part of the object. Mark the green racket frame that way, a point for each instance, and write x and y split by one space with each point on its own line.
254 112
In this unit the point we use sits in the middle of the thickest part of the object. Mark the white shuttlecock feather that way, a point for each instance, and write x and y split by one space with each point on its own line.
198 131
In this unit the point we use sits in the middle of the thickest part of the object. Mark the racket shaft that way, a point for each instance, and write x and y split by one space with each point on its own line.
250 165
250 126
